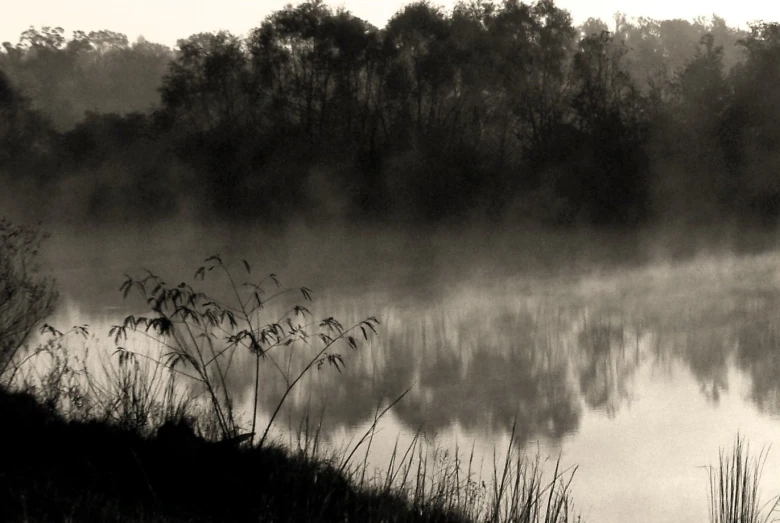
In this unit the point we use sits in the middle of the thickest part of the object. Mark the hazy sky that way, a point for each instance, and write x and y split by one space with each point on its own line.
165 21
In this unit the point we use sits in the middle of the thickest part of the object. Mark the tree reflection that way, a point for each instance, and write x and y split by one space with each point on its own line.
758 354
607 366
502 369
535 361
707 355
465 370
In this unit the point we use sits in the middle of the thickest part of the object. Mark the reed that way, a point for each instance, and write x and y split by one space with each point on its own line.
734 487
119 440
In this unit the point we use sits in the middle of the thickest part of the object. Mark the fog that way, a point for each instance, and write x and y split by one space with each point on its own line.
317 117
566 231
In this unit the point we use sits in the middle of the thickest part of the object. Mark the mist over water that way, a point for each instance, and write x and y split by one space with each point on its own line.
566 233
635 368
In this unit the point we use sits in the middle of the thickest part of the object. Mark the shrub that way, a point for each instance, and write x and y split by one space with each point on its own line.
26 297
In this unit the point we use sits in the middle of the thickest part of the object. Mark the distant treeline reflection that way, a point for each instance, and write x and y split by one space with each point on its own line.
543 360
493 112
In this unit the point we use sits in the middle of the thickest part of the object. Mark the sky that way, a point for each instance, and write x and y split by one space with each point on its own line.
165 21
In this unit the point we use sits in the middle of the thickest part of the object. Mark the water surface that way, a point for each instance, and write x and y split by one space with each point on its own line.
638 375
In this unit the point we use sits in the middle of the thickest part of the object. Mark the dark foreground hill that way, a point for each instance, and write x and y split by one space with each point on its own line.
57 470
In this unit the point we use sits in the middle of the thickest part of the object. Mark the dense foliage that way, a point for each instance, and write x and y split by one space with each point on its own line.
502 112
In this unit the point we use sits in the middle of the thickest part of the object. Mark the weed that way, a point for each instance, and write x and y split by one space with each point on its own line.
734 494
201 335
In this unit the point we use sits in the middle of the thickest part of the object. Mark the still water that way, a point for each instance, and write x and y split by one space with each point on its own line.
637 375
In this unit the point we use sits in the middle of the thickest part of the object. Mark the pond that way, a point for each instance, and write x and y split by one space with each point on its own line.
636 374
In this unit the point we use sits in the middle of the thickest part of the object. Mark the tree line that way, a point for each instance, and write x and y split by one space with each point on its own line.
505 112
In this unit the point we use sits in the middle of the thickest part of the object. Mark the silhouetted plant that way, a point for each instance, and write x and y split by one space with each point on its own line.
26 297
54 374
520 492
734 495
129 392
201 335
137 394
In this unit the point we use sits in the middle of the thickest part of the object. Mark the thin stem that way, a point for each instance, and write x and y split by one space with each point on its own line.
290 387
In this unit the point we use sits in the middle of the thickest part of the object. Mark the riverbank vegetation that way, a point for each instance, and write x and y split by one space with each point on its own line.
498 113
735 481
139 435
134 435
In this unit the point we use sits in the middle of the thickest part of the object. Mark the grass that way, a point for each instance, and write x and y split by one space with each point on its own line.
734 487
157 437
59 470
83 471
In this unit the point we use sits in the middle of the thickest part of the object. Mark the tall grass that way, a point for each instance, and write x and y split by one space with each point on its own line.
69 377
204 335
201 339
734 487
421 482
451 481
26 297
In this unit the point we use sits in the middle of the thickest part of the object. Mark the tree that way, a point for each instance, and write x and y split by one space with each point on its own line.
751 136
206 86
422 71
533 45
96 71
694 183
606 182
701 88
24 134
318 70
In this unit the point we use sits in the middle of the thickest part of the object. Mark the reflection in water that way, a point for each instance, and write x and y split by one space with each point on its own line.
478 373
758 354
481 358
497 370
608 365
707 353
552 356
